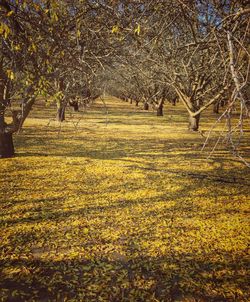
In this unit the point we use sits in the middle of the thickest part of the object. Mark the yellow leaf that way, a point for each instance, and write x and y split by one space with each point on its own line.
85 231
32 48
68 236
10 13
138 29
54 17
4 30
10 74
17 47
115 29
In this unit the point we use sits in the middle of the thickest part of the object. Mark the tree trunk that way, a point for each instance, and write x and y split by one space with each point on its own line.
173 101
136 103
6 141
131 101
146 106
216 107
18 116
159 111
194 122
61 113
75 105
61 106
223 102
6 145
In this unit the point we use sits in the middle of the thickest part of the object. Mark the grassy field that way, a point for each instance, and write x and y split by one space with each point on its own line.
123 207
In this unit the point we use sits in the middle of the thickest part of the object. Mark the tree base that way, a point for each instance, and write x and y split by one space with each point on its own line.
6 145
194 123
159 111
75 105
61 114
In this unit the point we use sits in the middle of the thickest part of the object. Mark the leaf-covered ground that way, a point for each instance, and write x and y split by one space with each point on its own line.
123 208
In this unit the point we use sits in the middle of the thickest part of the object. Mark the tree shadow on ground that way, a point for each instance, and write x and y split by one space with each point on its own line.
105 146
210 274
115 277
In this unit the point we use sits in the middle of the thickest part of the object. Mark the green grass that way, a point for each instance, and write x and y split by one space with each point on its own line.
125 207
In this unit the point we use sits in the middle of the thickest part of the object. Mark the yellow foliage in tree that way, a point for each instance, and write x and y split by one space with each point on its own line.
78 33
137 29
10 13
10 74
115 29
4 30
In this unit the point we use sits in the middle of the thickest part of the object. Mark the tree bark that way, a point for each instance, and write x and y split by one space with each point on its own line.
18 116
146 106
61 113
136 103
75 105
61 106
131 101
6 141
173 101
194 122
6 145
216 107
159 111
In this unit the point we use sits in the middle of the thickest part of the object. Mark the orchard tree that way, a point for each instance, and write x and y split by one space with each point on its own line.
44 43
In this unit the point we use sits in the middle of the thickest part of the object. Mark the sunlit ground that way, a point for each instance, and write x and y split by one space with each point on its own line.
123 206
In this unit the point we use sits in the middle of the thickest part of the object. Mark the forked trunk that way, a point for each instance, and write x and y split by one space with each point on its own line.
194 122
6 145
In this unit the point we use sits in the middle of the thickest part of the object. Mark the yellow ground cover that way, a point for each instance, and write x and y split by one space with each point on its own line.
123 207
